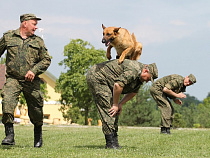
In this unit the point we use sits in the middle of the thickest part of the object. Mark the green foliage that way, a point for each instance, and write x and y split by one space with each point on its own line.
178 121
190 100
196 125
75 114
141 110
79 57
2 60
203 110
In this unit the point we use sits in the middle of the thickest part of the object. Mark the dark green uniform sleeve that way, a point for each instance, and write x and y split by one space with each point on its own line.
44 62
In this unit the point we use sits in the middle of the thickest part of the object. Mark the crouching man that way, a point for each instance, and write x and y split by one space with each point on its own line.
166 88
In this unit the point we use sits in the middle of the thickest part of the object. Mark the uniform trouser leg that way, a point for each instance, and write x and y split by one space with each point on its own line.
103 100
34 101
103 104
10 96
165 106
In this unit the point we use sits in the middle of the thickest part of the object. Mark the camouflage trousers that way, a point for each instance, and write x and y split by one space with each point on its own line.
10 97
102 95
165 106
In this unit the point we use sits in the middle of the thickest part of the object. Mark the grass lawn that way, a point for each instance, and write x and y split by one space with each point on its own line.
89 142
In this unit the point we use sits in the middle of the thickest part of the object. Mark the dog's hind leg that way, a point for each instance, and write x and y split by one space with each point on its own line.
137 52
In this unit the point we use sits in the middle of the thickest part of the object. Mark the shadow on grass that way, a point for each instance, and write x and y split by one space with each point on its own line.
8 147
91 146
99 146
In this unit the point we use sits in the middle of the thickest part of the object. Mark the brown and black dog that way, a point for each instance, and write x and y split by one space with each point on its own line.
124 43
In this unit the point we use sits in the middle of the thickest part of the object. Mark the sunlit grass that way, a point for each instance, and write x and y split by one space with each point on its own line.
89 142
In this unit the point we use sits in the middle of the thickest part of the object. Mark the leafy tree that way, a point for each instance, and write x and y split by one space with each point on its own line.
189 100
141 110
178 121
79 57
203 117
2 60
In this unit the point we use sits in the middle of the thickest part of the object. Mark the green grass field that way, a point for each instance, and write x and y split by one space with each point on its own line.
89 142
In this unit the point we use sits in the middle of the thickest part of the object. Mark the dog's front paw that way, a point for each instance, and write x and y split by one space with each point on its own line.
120 62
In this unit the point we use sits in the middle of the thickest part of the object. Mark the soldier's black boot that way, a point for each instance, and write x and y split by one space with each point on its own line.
37 136
9 132
110 142
168 130
163 130
115 137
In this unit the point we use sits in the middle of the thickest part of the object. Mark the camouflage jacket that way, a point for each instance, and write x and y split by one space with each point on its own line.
24 55
127 74
173 82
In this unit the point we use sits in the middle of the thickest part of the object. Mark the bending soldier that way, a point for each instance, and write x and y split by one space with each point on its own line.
107 81
166 88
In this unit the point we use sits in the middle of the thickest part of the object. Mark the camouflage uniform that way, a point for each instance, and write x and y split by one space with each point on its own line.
101 78
172 82
23 55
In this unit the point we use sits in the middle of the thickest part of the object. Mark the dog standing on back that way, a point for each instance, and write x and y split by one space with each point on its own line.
124 43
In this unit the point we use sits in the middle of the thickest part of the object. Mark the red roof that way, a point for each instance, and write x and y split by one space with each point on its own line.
2 75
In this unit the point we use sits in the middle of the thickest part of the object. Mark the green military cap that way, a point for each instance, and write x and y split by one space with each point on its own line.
153 71
26 17
192 78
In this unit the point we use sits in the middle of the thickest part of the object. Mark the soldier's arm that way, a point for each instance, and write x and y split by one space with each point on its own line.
117 90
126 98
173 94
44 62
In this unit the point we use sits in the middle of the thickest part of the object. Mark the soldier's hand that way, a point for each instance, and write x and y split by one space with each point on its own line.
29 76
178 101
119 110
114 110
181 95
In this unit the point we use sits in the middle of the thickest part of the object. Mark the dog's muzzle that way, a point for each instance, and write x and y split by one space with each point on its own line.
103 41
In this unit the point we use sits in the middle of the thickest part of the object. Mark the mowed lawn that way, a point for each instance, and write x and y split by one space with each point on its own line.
89 142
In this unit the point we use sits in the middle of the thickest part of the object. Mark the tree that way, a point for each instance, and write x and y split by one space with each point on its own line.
203 117
79 57
141 110
189 100
2 60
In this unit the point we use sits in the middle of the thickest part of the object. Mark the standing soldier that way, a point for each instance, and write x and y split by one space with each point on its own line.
107 81
169 87
27 58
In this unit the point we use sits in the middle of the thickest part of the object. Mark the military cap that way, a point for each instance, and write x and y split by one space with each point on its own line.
26 17
153 71
192 78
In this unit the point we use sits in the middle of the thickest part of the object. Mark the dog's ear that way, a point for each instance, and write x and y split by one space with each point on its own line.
116 29
103 26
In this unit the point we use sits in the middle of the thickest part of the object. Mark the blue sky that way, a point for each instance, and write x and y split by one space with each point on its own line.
175 34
